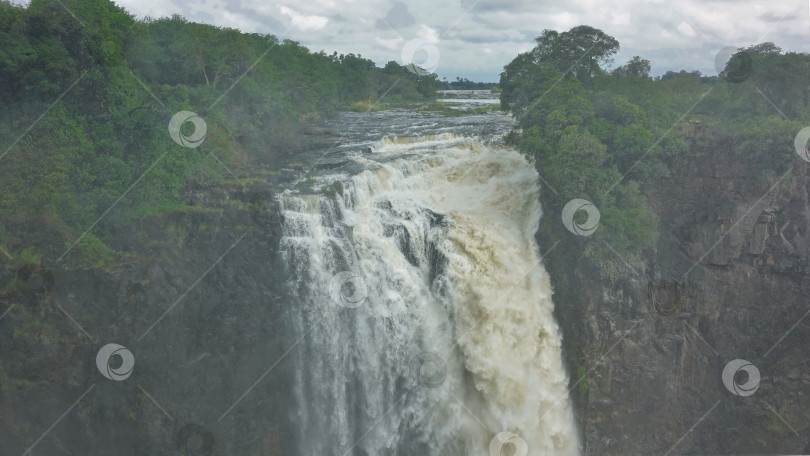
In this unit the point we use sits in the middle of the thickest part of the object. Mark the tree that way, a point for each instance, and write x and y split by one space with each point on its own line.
636 67
766 48
681 74
580 51
518 82
577 53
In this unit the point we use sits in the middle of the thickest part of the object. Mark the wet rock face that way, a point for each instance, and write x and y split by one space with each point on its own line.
198 307
730 281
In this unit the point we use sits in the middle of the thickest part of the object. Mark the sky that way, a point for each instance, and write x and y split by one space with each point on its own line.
476 38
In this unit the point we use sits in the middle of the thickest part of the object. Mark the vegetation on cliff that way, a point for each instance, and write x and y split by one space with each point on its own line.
609 136
88 92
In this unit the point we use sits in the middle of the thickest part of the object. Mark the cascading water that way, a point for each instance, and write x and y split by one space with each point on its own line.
422 314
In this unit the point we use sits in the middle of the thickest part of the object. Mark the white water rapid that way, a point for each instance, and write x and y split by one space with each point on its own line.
422 314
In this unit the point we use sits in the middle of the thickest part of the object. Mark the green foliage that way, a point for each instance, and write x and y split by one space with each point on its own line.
334 190
485 109
577 53
93 252
442 108
636 67
121 80
582 380
608 138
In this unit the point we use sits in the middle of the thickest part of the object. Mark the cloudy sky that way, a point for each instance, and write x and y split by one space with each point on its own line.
476 38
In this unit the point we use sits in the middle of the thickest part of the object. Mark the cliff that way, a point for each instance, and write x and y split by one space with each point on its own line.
196 303
647 349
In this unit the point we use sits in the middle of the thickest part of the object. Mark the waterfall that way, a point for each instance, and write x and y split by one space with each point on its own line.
421 314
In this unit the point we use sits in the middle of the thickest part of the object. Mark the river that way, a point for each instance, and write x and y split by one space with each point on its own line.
422 312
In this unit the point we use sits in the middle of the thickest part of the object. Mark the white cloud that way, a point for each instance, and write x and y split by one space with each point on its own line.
565 20
686 29
672 34
428 34
620 18
303 22
391 45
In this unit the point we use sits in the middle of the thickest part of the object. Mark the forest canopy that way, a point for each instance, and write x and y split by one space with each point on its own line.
108 84
607 136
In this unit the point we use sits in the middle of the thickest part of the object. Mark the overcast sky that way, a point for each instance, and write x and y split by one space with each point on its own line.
476 38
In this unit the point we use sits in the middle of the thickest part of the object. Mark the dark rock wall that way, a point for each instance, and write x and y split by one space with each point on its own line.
646 350
206 363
